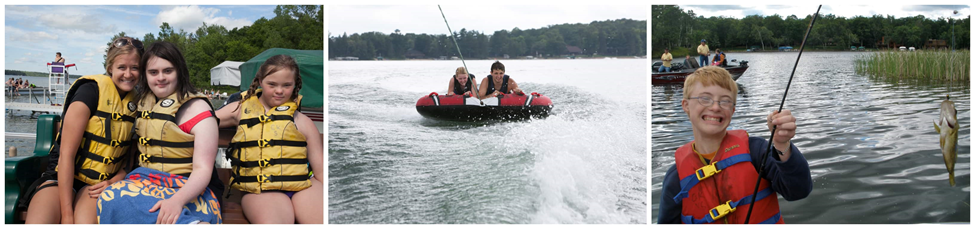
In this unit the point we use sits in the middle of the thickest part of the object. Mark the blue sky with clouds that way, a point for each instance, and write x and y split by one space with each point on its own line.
33 34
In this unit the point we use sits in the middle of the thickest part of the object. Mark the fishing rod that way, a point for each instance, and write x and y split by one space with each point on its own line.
471 78
766 155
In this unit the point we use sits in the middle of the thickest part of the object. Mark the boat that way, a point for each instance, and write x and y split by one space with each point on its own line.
466 109
679 72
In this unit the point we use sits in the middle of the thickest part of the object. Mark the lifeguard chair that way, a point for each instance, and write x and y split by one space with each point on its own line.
57 81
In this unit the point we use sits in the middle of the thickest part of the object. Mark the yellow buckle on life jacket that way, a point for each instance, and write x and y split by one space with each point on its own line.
144 158
108 160
145 114
721 210
706 171
264 143
117 116
144 140
116 143
102 176
264 118
264 162
263 178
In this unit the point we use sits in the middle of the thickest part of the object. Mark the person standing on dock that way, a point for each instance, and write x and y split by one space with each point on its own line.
704 52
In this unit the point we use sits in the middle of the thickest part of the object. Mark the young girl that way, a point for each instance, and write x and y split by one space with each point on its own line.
461 83
178 143
94 135
273 147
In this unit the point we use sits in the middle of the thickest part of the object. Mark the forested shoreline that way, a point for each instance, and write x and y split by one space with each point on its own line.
621 37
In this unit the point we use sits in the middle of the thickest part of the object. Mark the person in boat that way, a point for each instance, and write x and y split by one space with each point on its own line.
275 180
704 52
690 62
666 58
497 83
460 83
718 168
92 143
177 139
719 59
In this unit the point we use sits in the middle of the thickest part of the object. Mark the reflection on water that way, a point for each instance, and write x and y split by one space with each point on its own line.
871 145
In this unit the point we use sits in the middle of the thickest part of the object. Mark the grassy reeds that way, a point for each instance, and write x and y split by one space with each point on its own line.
921 65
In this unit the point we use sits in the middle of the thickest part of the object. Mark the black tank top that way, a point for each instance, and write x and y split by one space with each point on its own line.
504 84
467 86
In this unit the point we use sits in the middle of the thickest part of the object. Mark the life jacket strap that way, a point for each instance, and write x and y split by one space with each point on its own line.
95 175
155 142
146 158
115 116
267 162
266 143
707 171
723 210
265 119
154 115
107 141
268 178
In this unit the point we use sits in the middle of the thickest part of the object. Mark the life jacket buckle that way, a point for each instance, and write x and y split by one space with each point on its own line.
117 116
116 143
263 178
102 176
264 143
108 160
144 158
721 210
706 171
264 118
264 162
144 140
145 114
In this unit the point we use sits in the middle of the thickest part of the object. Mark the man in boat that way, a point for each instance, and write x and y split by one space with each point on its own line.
690 62
703 51
714 177
666 58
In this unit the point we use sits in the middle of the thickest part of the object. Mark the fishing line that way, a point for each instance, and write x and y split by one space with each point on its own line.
766 155
471 78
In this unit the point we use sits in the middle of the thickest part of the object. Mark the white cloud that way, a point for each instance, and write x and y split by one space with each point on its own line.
14 34
189 18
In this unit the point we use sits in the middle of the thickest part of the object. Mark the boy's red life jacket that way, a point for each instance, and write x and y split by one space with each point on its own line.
721 192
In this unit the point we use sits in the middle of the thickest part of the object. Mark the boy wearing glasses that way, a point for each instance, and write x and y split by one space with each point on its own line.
713 180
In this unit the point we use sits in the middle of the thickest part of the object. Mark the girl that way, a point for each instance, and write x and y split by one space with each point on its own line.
178 142
273 147
461 84
94 135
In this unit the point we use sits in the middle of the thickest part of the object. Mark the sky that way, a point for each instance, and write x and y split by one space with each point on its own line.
848 11
483 18
33 34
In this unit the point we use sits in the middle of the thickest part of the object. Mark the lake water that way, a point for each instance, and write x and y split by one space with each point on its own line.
586 163
871 145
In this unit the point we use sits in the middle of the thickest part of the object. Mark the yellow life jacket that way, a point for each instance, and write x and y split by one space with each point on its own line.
108 133
268 152
164 146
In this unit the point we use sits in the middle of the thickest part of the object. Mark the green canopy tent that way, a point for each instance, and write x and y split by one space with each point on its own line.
311 63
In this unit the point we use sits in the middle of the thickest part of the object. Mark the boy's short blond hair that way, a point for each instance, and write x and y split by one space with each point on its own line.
460 70
711 75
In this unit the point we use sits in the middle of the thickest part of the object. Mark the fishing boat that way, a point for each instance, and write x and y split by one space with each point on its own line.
679 72
466 109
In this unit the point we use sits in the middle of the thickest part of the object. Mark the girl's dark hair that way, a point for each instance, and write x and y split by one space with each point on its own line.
271 65
169 52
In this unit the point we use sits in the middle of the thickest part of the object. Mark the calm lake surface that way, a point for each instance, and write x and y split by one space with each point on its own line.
586 163
871 145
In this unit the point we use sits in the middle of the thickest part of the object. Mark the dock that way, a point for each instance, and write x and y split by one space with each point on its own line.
33 107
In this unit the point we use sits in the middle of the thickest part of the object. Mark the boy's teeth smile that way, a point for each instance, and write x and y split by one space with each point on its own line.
709 118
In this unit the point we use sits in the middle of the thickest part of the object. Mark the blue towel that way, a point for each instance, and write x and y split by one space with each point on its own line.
128 201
